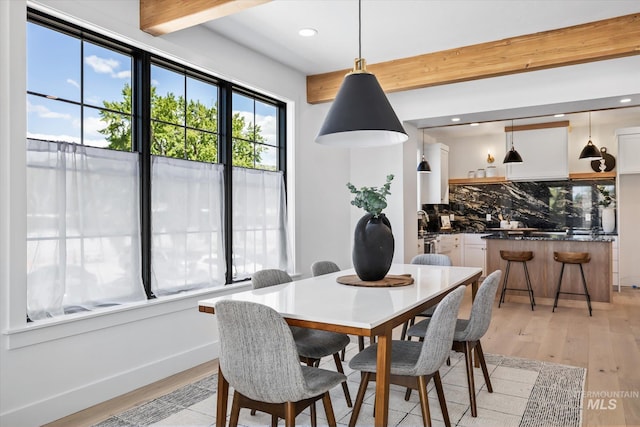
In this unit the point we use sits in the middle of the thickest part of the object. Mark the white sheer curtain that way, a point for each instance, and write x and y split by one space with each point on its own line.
187 230
260 237
83 228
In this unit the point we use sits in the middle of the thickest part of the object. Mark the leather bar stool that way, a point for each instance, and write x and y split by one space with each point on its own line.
578 258
517 256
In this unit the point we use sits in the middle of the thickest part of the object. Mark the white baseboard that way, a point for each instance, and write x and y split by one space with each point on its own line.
72 401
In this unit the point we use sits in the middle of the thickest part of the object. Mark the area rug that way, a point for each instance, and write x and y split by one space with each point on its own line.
527 393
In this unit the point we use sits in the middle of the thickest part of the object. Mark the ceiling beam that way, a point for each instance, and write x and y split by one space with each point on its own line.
158 17
593 41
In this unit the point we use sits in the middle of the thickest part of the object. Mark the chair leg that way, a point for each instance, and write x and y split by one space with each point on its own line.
504 284
235 410
555 302
529 288
443 402
345 388
403 334
274 421
424 401
312 407
360 343
342 353
290 415
364 382
328 410
586 291
483 365
470 381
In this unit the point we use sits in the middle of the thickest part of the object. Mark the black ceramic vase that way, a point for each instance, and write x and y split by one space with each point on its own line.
373 247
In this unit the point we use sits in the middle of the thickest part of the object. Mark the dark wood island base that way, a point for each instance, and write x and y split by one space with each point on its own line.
545 272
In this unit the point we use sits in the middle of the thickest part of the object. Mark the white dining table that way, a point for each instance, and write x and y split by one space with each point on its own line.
323 303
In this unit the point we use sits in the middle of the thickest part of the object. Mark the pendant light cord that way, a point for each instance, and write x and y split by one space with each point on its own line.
359 29
589 125
512 134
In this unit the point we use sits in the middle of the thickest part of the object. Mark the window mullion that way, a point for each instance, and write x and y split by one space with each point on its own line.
225 144
142 144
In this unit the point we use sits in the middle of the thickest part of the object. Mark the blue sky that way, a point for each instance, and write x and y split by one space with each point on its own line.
54 69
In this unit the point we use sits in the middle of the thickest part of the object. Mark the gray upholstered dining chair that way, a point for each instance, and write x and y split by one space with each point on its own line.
259 359
413 363
426 259
320 268
312 344
468 333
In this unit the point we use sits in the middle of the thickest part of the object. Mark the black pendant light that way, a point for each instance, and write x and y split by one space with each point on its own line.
590 151
361 115
423 166
512 155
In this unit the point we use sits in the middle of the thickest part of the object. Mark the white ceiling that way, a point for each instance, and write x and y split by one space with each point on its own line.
393 29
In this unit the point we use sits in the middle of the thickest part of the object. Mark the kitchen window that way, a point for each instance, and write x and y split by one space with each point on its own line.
145 177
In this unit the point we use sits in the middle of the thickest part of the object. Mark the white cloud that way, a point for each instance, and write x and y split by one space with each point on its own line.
51 137
73 83
123 74
106 66
92 127
45 113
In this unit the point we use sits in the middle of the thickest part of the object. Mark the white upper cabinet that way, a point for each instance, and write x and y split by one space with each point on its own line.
628 150
434 186
543 152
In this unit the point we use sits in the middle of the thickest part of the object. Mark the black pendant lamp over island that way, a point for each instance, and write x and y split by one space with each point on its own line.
423 166
512 155
590 151
361 115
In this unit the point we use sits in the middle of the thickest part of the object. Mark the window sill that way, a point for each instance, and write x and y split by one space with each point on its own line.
86 322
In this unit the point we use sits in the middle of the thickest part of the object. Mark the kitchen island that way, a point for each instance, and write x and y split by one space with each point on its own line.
545 272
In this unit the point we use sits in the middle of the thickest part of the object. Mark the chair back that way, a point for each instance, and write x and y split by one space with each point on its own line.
269 277
258 355
432 259
319 268
481 309
439 336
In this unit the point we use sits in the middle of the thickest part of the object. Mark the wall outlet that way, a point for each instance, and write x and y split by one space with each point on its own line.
587 217
452 217
488 218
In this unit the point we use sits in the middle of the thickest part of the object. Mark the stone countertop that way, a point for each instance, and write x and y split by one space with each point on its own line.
552 237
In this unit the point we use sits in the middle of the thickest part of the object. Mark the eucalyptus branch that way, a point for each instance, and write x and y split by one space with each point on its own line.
371 199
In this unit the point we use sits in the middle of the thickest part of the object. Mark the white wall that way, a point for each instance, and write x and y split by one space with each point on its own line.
470 153
50 371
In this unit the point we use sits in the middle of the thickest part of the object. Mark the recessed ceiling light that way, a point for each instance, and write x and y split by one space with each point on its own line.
474 124
625 100
308 32
558 115
455 119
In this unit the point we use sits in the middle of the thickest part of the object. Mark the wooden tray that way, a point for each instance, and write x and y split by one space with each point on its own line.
389 281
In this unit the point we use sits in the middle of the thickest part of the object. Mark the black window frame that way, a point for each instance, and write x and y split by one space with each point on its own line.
141 127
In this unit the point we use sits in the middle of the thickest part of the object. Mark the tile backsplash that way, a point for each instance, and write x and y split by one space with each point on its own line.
546 205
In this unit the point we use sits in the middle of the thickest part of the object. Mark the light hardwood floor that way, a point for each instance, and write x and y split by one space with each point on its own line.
607 344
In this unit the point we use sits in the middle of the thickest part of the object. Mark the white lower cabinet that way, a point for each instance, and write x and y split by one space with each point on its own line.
475 252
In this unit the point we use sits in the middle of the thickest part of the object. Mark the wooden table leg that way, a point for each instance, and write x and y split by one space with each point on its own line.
383 369
223 394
